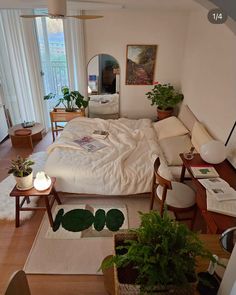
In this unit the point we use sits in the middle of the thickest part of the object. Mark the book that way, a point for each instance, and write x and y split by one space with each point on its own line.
204 171
227 208
219 188
101 134
90 144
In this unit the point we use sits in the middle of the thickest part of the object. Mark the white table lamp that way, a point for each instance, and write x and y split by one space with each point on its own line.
42 181
213 152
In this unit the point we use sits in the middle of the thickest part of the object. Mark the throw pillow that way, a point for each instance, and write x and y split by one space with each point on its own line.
200 136
173 146
169 127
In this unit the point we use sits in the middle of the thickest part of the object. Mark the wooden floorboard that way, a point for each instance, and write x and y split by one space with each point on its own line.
15 243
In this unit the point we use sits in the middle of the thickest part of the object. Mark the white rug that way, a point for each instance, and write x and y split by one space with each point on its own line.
7 204
79 256
62 233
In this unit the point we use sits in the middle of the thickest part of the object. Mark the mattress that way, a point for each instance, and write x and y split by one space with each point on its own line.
123 167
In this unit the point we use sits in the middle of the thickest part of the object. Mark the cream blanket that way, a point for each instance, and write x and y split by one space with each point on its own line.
123 167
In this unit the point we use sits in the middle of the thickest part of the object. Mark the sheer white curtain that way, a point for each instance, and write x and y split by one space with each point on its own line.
20 68
75 51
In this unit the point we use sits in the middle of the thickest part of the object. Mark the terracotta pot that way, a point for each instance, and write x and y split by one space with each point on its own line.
162 114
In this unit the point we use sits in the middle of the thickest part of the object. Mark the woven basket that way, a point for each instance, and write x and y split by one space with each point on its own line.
132 289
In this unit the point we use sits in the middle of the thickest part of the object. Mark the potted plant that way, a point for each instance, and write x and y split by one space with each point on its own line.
23 172
69 100
158 257
165 97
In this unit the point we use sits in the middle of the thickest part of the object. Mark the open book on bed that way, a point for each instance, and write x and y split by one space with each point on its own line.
90 144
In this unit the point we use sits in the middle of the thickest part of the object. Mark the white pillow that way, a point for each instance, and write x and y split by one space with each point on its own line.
173 146
200 136
169 127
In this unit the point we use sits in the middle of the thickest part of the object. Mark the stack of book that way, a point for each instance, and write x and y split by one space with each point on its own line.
204 171
100 134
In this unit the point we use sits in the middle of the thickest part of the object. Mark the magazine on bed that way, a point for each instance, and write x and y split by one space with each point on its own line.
100 134
89 143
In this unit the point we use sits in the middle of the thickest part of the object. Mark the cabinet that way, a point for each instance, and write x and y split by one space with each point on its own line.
60 115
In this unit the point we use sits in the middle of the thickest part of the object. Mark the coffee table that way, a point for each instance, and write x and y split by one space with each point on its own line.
26 140
34 193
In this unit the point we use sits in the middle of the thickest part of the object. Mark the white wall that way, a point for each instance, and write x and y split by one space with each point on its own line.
112 33
209 76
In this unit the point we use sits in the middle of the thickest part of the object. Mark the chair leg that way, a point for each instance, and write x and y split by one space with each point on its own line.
194 217
152 201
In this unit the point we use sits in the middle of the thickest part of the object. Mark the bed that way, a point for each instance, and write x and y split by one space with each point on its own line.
105 106
125 165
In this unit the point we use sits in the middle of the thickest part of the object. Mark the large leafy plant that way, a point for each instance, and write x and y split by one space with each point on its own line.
69 100
20 167
163 253
164 96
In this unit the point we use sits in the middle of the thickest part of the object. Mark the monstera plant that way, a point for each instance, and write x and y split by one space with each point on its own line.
70 99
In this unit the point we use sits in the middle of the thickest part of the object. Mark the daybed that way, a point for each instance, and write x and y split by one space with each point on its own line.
125 165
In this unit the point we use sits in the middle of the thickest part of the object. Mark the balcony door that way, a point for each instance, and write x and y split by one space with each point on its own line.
51 43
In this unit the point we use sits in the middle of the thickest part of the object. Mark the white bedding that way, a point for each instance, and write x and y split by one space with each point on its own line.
124 167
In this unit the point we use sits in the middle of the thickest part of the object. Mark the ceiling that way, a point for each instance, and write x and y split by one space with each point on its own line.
110 4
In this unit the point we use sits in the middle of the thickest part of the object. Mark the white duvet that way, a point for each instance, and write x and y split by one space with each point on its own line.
123 167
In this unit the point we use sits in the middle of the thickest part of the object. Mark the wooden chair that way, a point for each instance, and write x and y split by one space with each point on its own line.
18 284
177 196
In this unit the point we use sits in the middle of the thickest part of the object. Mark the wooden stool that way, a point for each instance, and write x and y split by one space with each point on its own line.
34 193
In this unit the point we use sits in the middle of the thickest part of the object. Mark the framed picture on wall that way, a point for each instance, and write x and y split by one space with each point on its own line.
231 146
140 64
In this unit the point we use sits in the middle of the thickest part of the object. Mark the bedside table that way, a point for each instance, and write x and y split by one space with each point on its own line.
27 194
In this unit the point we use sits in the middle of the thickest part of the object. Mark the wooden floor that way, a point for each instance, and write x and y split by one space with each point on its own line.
15 244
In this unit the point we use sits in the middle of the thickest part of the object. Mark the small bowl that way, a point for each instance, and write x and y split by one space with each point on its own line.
188 156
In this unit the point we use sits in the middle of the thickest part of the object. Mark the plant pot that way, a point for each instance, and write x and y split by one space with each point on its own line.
163 114
24 183
125 277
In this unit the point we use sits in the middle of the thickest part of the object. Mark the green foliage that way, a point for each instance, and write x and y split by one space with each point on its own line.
20 167
164 96
99 219
114 219
69 99
77 220
164 252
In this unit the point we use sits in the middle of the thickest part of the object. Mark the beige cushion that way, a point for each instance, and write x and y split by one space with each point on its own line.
181 195
169 127
187 117
173 146
200 136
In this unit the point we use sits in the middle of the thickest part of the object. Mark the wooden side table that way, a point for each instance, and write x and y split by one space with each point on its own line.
60 115
34 193
26 140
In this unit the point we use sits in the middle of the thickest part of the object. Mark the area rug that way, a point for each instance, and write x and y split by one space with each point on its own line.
84 255
7 204
60 230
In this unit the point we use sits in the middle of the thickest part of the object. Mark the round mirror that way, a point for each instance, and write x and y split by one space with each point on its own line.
103 87
228 239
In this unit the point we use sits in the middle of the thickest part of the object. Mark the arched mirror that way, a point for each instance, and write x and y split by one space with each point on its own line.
104 87
228 239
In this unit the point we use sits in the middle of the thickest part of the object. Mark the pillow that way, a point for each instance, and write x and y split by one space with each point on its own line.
169 127
173 146
200 136
187 117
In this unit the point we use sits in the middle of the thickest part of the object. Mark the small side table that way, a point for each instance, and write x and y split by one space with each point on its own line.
34 193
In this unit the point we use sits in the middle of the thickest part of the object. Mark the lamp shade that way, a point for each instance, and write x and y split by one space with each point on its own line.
213 152
42 181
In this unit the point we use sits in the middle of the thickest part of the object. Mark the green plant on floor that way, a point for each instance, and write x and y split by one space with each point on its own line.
163 253
164 96
21 167
69 100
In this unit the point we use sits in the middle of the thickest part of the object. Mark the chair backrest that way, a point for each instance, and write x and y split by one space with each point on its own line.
160 180
18 284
